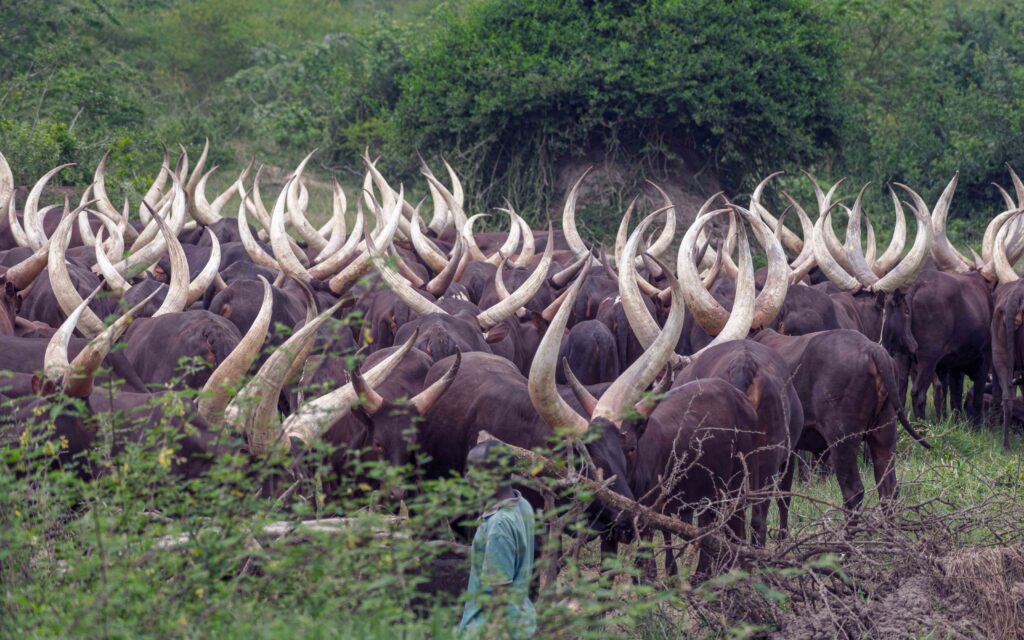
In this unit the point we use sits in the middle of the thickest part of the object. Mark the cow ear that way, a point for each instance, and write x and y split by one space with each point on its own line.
42 386
496 334
537 319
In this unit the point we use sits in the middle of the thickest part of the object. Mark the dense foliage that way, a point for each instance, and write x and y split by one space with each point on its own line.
521 85
911 90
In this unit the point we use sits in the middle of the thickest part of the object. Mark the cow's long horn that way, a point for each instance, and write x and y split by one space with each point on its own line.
114 279
399 285
60 280
709 276
6 184
541 381
742 314
945 255
254 409
156 188
529 244
143 258
20 236
404 269
191 181
511 241
78 379
313 418
499 281
668 232
790 240
362 264
640 320
628 387
1004 270
1018 186
804 262
217 391
710 315
55 359
295 209
457 194
859 265
336 261
84 229
586 399
440 219
496 314
177 287
23 274
279 239
993 228
34 231
467 235
336 225
370 400
444 279
773 294
425 249
904 273
892 254
572 235
871 252
205 278
257 209
621 238
827 262
99 189
252 248
209 212
425 400
566 275
453 199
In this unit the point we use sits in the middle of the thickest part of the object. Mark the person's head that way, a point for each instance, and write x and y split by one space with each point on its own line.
488 461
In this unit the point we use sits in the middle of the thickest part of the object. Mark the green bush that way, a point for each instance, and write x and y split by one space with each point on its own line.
518 86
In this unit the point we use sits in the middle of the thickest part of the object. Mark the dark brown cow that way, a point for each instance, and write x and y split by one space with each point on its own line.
764 377
951 316
1007 349
845 405
157 347
689 457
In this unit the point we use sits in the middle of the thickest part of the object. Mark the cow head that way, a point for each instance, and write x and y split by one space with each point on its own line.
896 330
392 424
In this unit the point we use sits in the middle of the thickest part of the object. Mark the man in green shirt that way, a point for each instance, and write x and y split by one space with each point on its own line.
498 597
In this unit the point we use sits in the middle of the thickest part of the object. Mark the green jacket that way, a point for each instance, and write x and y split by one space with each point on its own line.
502 555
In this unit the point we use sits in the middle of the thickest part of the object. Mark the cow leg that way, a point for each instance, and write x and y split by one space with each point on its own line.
844 462
1009 394
923 377
784 500
882 444
670 559
940 386
956 394
979 376
648 562
759 522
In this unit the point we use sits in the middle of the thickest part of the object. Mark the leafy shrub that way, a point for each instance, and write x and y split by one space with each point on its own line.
518 86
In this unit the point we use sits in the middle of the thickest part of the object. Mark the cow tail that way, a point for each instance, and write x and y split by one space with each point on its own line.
1013 311
743 376
884 365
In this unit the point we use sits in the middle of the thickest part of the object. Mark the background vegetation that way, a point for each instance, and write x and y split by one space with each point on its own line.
511 90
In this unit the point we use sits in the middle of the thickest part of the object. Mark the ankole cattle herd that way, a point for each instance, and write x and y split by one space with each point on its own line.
668 346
